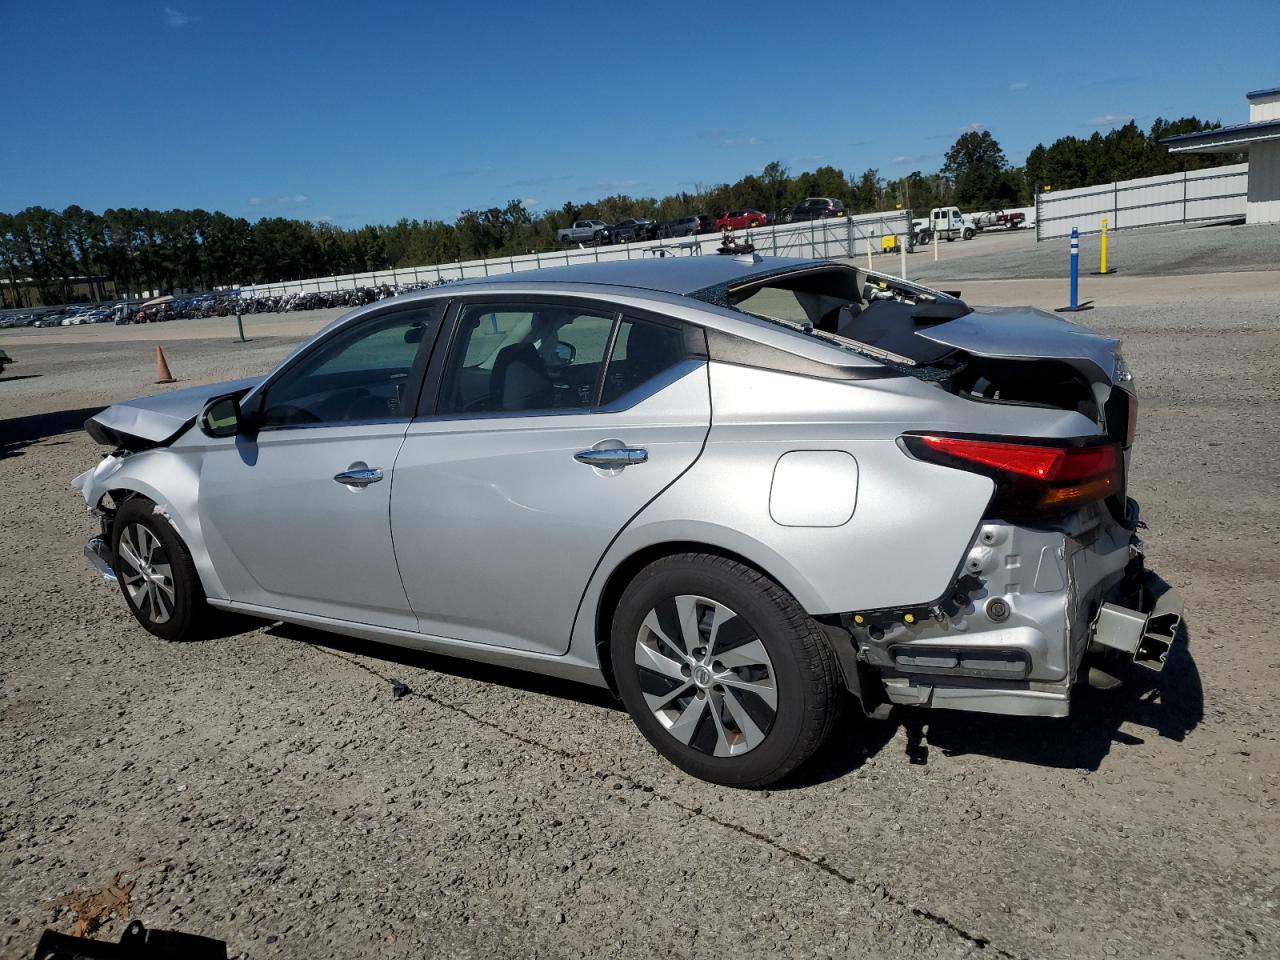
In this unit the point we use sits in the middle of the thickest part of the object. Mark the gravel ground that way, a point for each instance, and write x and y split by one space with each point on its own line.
1143 252
269 788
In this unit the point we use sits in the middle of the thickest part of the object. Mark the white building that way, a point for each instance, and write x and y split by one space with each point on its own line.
1260 139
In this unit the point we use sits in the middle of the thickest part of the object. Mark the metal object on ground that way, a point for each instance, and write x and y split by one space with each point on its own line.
1146 637
136 943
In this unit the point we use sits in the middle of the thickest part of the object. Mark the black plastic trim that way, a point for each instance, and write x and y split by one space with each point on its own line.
740 351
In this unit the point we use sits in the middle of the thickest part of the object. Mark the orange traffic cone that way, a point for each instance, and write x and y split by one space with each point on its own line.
162 367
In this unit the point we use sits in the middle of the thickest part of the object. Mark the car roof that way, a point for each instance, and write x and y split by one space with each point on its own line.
678 275
664 284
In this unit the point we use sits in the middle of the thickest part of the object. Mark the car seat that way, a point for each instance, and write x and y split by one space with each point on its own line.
520 380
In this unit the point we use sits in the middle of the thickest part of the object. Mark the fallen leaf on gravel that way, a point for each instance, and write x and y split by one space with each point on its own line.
93 908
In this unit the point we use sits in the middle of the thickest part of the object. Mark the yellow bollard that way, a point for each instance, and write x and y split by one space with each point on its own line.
1103 268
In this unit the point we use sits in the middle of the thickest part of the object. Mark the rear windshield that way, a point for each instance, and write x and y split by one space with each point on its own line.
866 313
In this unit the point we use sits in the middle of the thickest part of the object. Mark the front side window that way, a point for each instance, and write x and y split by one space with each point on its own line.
363 373
520 358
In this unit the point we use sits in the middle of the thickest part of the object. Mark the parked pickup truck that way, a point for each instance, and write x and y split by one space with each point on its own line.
584 231
946 222
997 219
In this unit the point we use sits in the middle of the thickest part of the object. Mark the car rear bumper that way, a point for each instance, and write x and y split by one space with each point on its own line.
1026 607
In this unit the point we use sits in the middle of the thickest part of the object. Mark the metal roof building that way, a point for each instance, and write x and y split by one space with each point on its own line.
1260 139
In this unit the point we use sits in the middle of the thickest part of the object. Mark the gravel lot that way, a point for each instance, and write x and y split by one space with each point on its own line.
1143 252
268 788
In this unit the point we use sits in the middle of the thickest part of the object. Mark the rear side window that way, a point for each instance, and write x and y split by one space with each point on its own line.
641 352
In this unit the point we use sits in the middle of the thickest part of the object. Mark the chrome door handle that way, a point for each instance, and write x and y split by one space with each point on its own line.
359 478
612 458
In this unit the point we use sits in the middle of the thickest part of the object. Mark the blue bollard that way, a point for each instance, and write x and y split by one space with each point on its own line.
1075 269
1075 304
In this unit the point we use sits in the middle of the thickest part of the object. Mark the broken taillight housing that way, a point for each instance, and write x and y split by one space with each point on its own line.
1032 477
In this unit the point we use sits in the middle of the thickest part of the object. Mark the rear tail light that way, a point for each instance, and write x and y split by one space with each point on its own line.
1032 478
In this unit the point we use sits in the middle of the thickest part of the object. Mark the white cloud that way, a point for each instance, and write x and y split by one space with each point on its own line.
974 128
740 141
176 18
280 203
1019 85
530 202
1107 120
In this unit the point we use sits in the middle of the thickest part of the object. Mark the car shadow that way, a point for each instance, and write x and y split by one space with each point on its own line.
21 376
1169 703
451 666
19 432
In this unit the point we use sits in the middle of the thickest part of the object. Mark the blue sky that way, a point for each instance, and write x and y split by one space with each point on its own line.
367 112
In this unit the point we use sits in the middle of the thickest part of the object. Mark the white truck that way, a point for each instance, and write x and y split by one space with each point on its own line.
946 222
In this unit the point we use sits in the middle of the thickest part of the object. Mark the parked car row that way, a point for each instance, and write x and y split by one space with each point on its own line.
636 228
218 304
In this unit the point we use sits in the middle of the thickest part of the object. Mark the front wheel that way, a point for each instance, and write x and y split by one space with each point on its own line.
968 234
722 670
156 573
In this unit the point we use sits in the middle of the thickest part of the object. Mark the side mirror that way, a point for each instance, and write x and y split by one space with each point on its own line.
566 352
221 417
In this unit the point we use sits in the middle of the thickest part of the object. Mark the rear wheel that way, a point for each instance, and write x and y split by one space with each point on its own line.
722 670
156 573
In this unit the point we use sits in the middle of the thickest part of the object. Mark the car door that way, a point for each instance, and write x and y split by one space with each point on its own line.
295 514
554 423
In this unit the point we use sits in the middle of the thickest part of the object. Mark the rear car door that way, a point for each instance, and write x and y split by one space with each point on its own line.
295 516
555 422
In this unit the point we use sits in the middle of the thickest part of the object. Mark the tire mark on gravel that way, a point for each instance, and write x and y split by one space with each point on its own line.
401 690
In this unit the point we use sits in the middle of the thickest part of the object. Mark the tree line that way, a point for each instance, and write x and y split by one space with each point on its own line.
141 249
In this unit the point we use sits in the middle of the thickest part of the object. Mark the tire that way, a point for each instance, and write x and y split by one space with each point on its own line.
670 678
156 574
968 234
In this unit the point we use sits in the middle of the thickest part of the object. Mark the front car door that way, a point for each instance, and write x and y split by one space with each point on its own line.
295 516
554 424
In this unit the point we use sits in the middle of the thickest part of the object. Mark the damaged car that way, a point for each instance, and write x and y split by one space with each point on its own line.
740 492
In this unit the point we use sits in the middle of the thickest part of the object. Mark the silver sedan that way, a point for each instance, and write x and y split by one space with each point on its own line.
739 492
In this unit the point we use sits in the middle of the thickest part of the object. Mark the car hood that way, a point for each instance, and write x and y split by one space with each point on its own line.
157 420
1023 333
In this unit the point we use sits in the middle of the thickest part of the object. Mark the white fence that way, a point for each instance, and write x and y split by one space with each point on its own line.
1217 193
838 237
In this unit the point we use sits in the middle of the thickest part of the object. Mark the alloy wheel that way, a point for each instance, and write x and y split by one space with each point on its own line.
706 676
146 573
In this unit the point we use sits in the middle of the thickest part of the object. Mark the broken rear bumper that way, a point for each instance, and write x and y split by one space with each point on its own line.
1030 604
1145 631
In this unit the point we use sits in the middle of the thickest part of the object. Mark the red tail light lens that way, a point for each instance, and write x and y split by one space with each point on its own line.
1031 478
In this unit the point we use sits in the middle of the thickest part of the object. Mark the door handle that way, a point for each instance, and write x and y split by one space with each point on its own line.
612 458
359 478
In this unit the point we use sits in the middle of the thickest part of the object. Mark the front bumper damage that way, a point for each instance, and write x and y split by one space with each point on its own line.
1026 608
